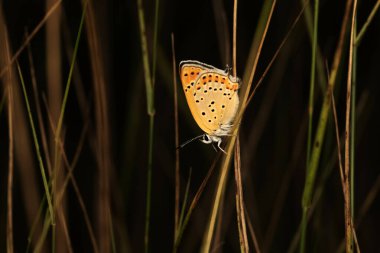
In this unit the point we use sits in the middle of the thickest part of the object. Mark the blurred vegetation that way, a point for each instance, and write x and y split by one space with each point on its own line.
98 114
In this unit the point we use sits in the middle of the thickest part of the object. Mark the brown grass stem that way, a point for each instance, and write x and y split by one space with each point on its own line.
254 55
240 207
346 186
9 88
31 36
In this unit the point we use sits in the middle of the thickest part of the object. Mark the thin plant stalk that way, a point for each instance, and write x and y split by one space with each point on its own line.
353 122
346 188
321 128
257 44
151 112
310 108
31 36
154 52
38 152
181 224
360 35
58 130
240 207
312 79
194 202
234 39
9 88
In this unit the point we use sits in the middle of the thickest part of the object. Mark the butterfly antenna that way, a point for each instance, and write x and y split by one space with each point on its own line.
213 145
187 142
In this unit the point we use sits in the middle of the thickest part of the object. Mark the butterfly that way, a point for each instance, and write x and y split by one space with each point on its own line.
211 94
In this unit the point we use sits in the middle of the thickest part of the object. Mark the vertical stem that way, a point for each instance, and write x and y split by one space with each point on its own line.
353 121
11 159
321 128
347 195
234 39
150 111
155 42
149 183
312 80
311 109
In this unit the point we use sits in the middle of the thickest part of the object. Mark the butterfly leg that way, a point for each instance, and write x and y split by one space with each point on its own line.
206 139
213 145
220 142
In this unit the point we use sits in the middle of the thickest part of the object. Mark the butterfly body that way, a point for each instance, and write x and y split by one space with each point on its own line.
211 94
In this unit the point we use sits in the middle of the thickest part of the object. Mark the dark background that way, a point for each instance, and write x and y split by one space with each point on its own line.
272 131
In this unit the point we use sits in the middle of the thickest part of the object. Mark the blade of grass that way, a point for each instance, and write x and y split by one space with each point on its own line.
347 180
37 147
367 23
234 32
320 60
194 202
149 87
154 51
274 57
63 109
70 176
31 36
254 54
240 207
181 225
320 132
311 104
96 39
35 223
69 78
312 81
10 105
41 126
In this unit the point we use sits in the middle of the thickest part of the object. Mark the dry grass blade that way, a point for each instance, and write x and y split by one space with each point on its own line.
70 177
360 35
234 39
38 111
103 136
340 163
346 186
247 80
8 87
194 202
274 57
31 36
321 128
244 246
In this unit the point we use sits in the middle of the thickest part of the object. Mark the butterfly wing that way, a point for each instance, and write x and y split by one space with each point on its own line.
189 74
211 95
218 100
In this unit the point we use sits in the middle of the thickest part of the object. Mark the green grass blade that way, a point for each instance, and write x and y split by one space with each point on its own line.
367 23
310 110
321 128
149 86
37 147
253 57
